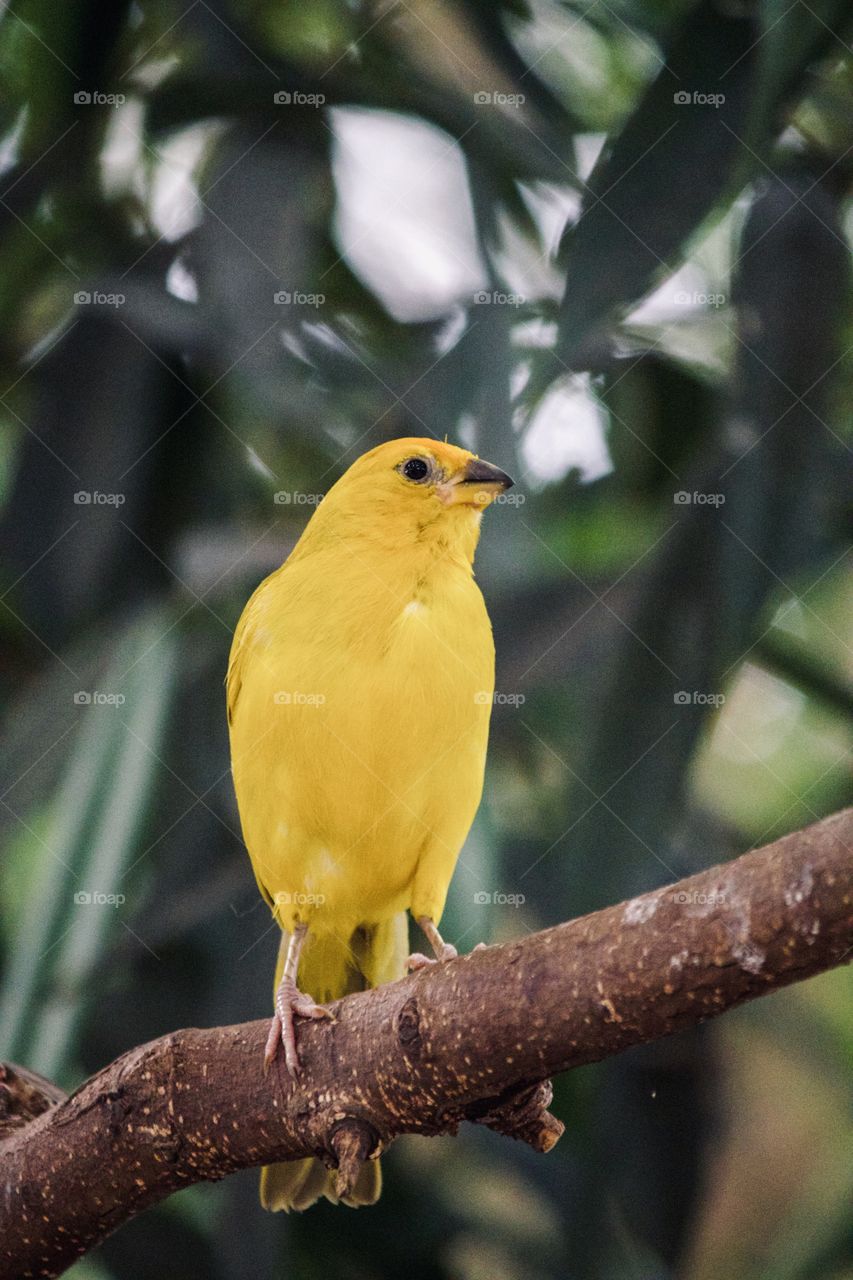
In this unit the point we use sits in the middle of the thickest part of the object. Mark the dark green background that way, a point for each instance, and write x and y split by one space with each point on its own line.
719 1153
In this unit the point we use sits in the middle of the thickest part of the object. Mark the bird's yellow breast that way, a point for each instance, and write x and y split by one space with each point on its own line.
360 690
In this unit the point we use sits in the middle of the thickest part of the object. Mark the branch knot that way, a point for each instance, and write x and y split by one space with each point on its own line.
523 1114
352 1141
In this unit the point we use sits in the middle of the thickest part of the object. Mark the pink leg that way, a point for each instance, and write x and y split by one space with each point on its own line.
290 1001
443 950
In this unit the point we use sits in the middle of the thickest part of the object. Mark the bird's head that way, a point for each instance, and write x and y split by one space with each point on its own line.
428 476
413 490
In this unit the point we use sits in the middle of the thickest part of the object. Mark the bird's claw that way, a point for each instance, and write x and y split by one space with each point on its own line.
418 961
290 1002
273 1041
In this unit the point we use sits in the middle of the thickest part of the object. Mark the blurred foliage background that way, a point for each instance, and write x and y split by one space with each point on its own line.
605 245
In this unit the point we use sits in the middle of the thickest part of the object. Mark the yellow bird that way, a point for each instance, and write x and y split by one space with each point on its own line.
360 686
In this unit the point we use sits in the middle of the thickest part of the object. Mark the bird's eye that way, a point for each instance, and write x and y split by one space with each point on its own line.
415 469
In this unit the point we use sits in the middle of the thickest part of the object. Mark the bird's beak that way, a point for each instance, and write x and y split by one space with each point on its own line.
476 484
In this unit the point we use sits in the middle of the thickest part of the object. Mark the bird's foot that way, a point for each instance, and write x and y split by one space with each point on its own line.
417 960
290 1002
443 953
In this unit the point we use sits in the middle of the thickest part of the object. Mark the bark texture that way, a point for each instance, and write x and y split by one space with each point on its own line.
474 1039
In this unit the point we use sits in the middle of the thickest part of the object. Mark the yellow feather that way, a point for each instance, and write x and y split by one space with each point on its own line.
359 692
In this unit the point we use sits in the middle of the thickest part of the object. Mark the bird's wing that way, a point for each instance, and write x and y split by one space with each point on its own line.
241 646
236 660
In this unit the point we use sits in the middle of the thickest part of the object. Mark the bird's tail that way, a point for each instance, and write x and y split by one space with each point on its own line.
329 968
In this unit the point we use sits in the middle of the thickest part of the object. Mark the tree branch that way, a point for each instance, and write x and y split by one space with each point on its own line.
474 1039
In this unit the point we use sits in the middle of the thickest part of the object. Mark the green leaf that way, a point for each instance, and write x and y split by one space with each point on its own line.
694 139
96 818
794 35
662 175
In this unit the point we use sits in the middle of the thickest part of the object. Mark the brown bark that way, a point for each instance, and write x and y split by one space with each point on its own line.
474 1039
23 1096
